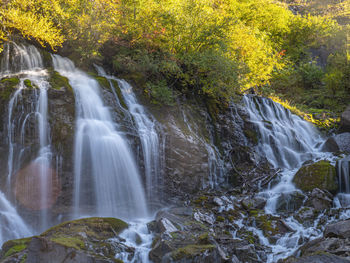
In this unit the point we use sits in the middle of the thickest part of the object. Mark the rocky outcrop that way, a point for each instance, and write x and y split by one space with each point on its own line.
320 175
84 240
345 120
338 143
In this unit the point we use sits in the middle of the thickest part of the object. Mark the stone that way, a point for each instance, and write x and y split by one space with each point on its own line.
340 229
319 200
66 243
289 202
319 258
345 120
338 143
256 202
320 175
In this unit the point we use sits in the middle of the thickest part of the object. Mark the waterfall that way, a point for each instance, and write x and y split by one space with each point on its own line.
102 157
29 175
287 141
343 172
146 130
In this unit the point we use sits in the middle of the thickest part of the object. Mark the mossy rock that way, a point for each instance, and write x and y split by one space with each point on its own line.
58 81
191 251
7 86
95 228
88 238
28 83
320 175
12 247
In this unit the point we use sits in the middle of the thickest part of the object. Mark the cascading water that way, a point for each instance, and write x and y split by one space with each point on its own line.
287 142
102 157
30 179
343 171
146 130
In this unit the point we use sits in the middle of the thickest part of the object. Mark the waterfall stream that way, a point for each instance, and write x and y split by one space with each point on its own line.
146 130
118 190
287 141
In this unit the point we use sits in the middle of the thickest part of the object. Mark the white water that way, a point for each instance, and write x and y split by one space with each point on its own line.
287 141
139 237
146 130
118 190
25 62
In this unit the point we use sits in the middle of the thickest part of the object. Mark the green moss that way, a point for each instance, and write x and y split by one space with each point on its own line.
10 81
200 200
251 135
14 246
28 83
190 251
320 175
24 258
69 242
220 219
102 81
6 87
119 94
57 81
118 260
204 238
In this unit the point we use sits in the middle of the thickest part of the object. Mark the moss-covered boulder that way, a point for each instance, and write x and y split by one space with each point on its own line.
84 240
320 175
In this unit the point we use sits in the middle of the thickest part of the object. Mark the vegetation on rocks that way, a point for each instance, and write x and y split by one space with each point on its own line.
320 175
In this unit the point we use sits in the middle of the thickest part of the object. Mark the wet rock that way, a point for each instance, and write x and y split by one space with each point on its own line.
256 202
319 200
247 254
165 225
320 175
306 216
84 240
335 246
340 229
345 120
289 202
338 143
318 258
196 254
206 218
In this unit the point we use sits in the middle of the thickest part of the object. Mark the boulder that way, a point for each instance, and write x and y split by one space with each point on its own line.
83 240
320 175
290 202
345 120
318 258
338 143
319 200
340 229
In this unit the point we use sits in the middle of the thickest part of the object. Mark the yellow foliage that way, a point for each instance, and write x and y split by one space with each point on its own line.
33 26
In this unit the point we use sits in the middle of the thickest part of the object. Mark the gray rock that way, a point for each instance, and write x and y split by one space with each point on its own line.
345 120
319 200
339 142
256 202
319 258
340 229
290 202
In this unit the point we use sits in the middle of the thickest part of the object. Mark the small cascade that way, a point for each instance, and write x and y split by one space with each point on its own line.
343 172
287 141
216 166
12 225
107 181
29 174
146 128
139 237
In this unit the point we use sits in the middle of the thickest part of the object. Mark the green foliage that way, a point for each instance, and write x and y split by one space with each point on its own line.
160 93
